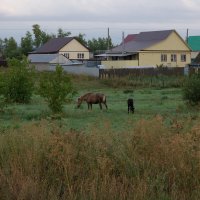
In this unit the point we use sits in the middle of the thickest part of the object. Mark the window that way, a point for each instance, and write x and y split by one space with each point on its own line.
163 57
183 57
80 55
173 58
66 55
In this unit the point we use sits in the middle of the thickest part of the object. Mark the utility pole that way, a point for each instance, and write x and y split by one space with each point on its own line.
108 39
123 44
187 36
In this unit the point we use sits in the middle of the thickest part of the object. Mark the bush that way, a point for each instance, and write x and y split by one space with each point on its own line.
191 89
17 84
55 87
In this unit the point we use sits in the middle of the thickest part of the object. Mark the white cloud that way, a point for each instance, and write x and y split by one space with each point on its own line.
99 10
193 5
96 15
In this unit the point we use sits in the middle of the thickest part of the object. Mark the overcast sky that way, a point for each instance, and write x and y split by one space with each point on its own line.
93 17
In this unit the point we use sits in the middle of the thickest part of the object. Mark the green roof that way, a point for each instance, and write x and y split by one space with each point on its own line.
194 43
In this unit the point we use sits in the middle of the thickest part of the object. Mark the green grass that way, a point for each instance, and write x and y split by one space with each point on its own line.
102 154
149 102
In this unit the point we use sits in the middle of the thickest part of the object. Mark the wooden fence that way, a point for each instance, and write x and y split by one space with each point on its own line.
166 71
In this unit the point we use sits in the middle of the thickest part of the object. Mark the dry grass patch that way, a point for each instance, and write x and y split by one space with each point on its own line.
149 161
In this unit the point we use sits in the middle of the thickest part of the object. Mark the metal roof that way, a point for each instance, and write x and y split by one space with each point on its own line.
141 41
48 58
53 45
194 43
130 37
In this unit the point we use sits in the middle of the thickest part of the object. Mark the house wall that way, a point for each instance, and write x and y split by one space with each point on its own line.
109 64
151 56
172 43
41 66
154 59
194 54
74 48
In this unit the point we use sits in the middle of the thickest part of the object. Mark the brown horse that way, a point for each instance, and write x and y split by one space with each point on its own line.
92 98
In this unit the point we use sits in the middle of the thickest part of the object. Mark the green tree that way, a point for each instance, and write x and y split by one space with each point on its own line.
61 33
1 48
41 37
191 89
38 35
11 49
26 44
18 84
81 39
99 44
55 88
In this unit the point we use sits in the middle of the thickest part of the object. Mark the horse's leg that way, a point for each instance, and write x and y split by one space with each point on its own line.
100 106
88 106
105 105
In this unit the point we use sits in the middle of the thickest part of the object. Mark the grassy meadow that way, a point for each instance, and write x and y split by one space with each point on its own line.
103 154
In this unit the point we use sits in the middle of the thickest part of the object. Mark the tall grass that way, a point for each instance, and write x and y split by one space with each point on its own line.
143 81
149 161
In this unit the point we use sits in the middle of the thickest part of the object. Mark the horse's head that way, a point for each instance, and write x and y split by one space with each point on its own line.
79 102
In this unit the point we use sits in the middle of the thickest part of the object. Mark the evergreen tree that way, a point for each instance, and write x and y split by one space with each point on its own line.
26 44
11 49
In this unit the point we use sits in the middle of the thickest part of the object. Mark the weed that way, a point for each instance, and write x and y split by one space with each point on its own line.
146 162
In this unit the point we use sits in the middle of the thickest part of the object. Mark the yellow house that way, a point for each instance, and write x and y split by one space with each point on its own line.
69 47
151 49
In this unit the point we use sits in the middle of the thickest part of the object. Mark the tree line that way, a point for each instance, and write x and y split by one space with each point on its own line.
9 48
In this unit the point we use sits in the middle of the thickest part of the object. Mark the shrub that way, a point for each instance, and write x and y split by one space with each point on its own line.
2 104
17 84
128 91
191 89
55 87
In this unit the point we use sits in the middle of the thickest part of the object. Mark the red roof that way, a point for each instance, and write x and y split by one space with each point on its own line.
130 37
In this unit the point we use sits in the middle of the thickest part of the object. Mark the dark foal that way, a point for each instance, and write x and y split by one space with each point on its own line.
131 107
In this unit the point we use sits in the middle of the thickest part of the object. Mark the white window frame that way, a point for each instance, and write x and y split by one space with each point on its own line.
66 55
183 57
173 58
163 57
80 55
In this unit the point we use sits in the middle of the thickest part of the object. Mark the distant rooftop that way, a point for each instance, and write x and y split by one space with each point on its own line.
194 43
137 42
53 45
130 37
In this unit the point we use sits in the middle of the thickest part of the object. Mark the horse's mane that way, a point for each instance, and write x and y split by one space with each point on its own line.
85 95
